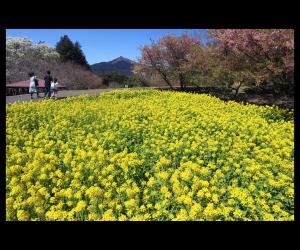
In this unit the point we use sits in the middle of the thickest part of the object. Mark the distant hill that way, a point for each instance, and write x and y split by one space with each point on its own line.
119 65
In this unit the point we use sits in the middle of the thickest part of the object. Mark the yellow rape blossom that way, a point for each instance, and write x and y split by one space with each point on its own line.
148 155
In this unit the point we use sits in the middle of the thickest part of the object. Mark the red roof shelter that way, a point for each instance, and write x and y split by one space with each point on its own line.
22 87
24 84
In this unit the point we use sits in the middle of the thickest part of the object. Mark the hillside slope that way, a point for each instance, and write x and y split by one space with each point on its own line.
119 65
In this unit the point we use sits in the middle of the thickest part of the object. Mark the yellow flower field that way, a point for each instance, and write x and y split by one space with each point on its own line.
148 155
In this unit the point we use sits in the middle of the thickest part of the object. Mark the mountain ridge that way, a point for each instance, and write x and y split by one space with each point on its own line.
119 65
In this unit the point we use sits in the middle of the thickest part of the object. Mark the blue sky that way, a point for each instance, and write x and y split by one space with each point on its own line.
101 45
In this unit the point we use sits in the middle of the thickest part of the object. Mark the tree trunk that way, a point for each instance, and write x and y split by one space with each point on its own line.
182 81
166 80
237 89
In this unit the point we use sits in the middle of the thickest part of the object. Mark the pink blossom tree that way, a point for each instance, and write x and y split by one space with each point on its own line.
257 55
169 58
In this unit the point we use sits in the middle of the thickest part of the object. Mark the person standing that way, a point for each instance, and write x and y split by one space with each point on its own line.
48 79
36 80
32 85
54 88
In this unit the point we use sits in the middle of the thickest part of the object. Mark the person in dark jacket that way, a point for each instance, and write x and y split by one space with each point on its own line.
48 79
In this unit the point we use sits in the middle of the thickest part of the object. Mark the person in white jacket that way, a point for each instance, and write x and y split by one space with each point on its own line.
32 85
54 88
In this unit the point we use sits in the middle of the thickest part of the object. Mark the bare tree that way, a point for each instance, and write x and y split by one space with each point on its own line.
22 57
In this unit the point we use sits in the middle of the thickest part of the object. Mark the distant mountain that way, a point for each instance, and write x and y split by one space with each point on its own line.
119 65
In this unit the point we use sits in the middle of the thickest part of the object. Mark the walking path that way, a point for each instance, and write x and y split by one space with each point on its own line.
62 94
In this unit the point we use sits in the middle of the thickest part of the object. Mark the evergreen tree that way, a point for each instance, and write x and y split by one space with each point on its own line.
71 52
65 48
79 56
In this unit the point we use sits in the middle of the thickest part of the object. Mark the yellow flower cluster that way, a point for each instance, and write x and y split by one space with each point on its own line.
148 155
